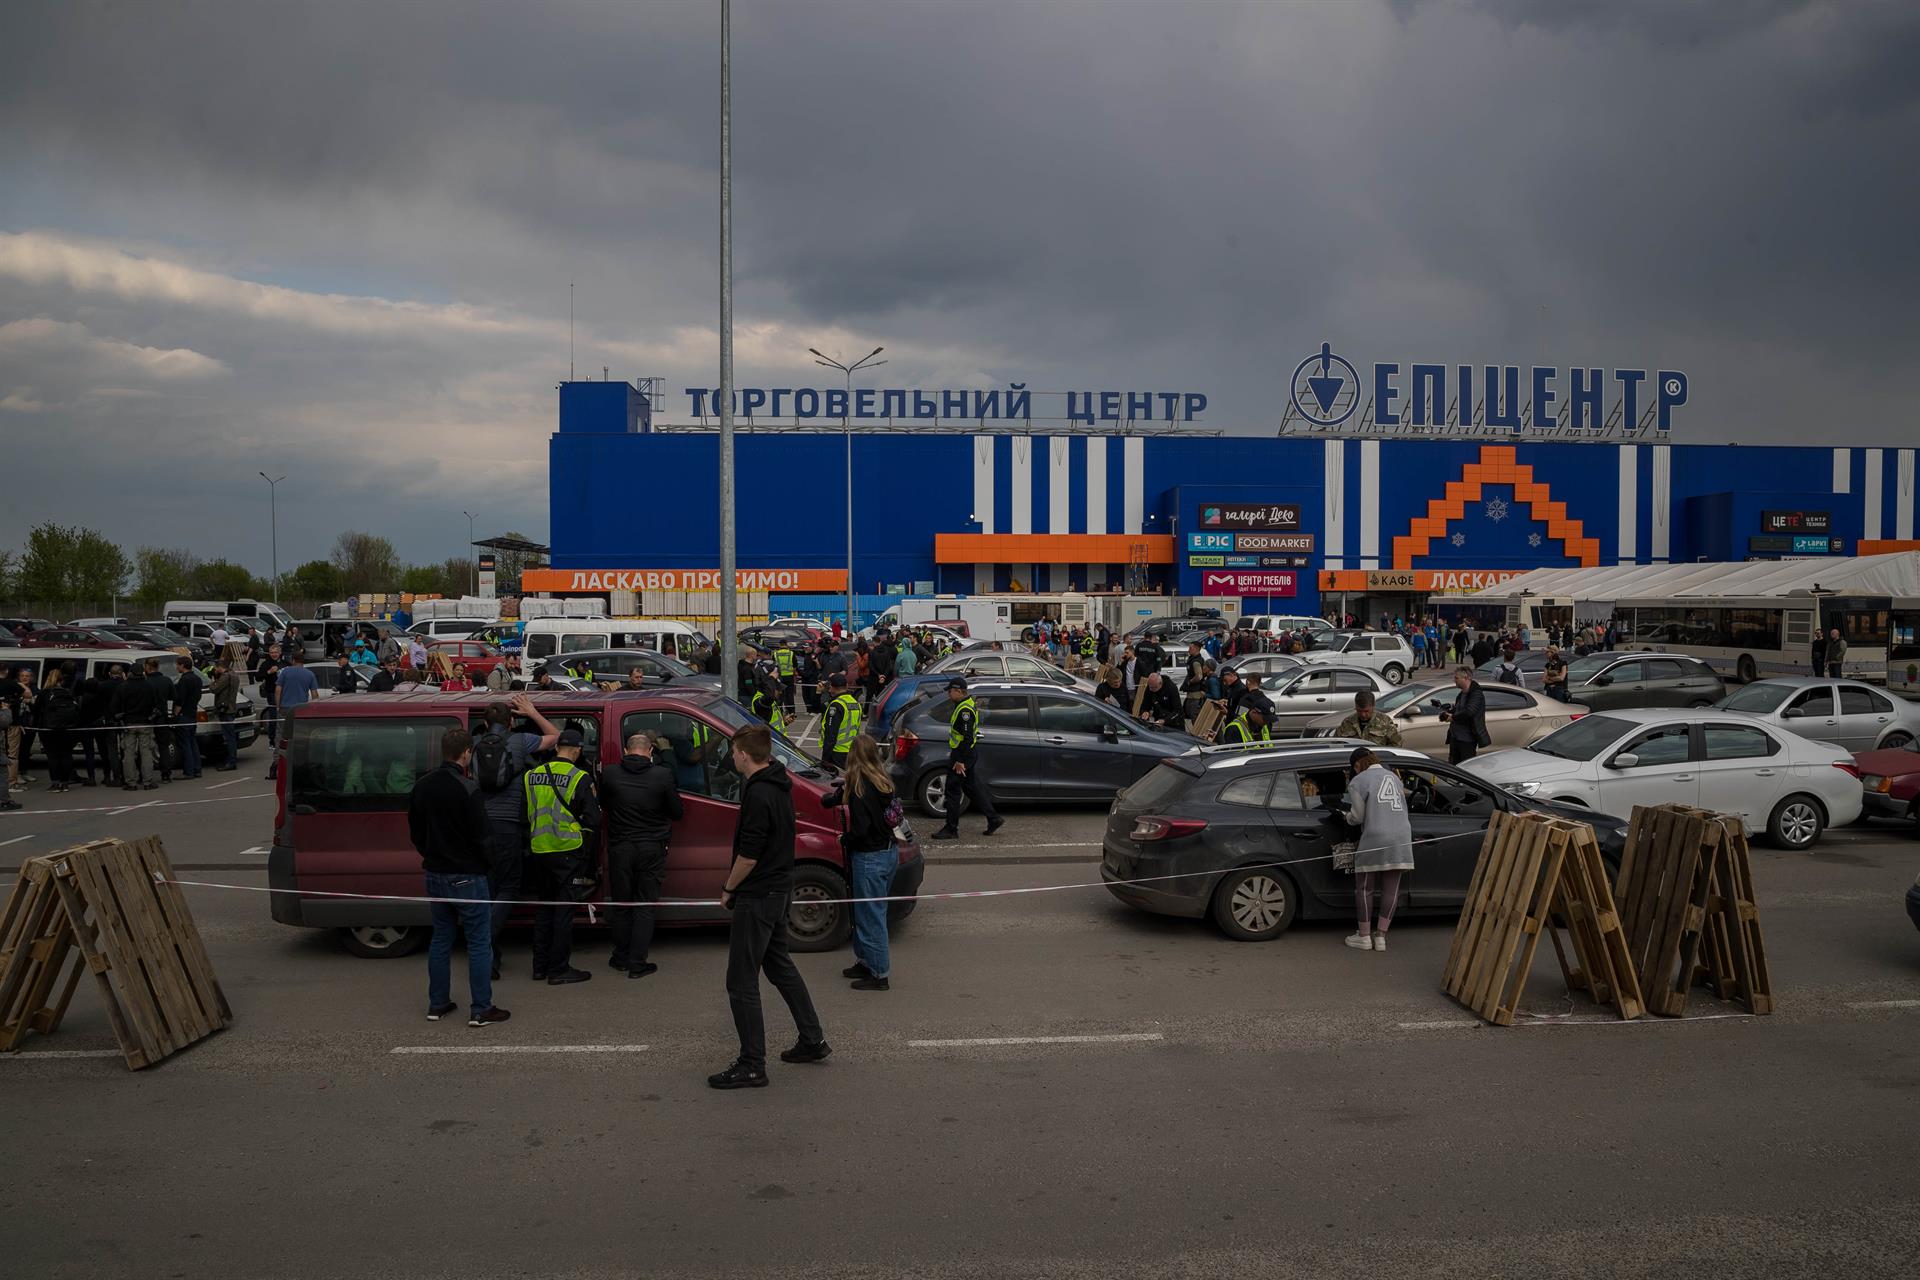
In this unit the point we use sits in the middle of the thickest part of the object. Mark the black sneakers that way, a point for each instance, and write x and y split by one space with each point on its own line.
487 1017
617 963
870 983
561 977
642 969
804 1052
740 1076
858 969
944 834
995 823
439 1011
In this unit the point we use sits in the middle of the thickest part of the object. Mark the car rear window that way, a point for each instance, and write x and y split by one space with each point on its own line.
362 765
1166 782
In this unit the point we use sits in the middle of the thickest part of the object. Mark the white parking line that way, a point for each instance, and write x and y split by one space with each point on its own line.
32 1054
258 848
234 783
1128 1038
1883 1004
1609 1020
114 813
519 1048
1434 1026
1008 844
15 840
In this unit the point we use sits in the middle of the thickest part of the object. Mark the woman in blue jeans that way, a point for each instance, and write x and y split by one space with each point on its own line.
867 792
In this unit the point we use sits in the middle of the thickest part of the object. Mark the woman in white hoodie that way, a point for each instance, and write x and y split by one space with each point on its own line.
1377 804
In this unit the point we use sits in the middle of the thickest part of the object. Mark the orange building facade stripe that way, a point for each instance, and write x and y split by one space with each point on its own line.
1498 464
1051 548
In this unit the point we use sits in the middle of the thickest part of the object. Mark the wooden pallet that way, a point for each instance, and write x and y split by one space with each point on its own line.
1686 898
107 903
1596 958
1507 903
1207 723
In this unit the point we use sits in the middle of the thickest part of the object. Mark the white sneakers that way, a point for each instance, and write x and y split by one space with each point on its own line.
1361 942
1379 942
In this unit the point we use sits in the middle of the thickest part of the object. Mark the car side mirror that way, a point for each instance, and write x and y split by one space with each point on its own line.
1792 713
1625 760
1109 733
1601 680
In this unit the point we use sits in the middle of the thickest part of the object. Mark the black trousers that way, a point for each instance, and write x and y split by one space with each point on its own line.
553 877
1459 749
636 869
974 789
506 856
756 944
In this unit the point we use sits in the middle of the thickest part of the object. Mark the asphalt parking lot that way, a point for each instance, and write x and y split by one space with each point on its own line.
1055 1085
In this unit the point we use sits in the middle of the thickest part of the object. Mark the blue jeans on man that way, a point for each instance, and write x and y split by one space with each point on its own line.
230 737
188 734
873 878
474 919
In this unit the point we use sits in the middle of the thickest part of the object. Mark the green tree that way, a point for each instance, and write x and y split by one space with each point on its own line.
316 580
7 559
421 579
367 562
225 580
163 574
63 565
457 576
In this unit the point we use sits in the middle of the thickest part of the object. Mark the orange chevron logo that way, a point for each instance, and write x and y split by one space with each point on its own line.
1497 465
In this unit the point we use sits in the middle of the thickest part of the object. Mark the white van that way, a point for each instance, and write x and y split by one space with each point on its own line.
98 662
1318 628
544 637
252 610
450 628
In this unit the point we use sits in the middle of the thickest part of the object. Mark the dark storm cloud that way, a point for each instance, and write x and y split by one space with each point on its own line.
1068 194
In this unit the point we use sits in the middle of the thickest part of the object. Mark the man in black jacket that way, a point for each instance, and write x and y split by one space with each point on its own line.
386 677
449 828
758 889
641 803
134 706
166 748
186 717
1467 720
1162 703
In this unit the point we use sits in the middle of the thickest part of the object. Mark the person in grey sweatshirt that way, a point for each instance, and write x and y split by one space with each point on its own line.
1377 804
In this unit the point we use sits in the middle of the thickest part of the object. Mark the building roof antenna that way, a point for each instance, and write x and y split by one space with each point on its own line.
569 331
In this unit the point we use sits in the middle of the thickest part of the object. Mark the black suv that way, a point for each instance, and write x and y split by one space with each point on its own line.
1221 818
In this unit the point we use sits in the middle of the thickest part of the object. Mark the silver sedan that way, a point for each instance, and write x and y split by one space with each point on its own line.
1846 713
1303 695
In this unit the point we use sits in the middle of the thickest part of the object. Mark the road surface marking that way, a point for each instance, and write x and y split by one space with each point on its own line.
1131 1037
1609 1020
114 813
234 783
1434 1026
258 848
519 1048
31 1054
15 840
1008 844
1883 1004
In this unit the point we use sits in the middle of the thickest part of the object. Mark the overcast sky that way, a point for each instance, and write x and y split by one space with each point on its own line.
334 240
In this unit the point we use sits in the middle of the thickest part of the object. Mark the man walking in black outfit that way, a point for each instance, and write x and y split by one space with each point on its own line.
758 889
963 764
1467 719
641 803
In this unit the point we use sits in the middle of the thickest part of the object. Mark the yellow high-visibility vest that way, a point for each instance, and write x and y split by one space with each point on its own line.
551 824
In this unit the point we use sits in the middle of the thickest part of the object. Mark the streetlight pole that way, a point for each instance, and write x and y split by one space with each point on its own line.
846 430
729 603
473 565
273 511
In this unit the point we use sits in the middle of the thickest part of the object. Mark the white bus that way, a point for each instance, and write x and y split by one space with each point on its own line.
1505 613
1754 636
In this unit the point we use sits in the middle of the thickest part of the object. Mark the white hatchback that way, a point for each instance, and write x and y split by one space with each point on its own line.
1380 651
1610 761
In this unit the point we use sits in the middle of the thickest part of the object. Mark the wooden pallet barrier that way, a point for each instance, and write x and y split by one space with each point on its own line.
103 907
1686 898
1533 868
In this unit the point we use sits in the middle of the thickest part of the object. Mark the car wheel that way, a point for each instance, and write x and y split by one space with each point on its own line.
1746 669
1896 741
1395 673
933 794
1796 822
815 920
383 941
1255 904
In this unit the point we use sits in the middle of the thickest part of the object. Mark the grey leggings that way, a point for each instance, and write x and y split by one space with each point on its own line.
1364 883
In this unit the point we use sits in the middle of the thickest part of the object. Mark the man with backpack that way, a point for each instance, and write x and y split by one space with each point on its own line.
500 757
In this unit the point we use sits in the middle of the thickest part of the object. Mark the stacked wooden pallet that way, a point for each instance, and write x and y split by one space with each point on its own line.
1686 898
109 908
1535 874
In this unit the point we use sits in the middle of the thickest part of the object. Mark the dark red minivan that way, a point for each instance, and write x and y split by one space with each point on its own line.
352 761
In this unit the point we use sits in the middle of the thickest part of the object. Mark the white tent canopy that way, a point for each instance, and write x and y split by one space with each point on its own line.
1894 574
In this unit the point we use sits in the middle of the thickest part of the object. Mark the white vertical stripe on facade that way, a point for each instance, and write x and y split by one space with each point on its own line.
1843 471
1333 482
983 482
1059 497
1629 503
1096 484
1020 518
983 579
1903 495
1660 533
1369 504
1871 495
1133 456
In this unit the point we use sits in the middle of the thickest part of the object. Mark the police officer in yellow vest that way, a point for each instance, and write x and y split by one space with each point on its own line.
1088 645
963 764
783 667
765 704
1249 727
839 723
563 818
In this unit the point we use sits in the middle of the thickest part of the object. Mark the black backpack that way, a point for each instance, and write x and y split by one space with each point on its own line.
492 762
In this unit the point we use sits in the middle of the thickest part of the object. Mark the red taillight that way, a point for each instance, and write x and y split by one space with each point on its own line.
1848 766
1574 715
903 746
1153 827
